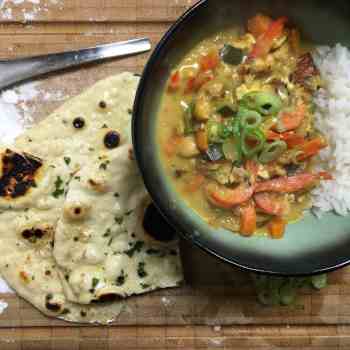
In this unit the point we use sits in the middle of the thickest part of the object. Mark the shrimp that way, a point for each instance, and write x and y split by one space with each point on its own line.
224 197
291 120
288 184
271 203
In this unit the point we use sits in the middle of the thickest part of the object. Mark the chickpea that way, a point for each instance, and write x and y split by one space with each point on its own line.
202 108
188 147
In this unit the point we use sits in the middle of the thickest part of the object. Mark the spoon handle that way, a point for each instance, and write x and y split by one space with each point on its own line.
13 71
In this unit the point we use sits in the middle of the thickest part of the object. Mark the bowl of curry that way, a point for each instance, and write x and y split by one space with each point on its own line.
225 138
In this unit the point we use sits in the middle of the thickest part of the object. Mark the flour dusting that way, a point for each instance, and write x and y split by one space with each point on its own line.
32 10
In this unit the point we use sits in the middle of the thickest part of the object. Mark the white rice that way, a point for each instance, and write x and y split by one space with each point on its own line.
333 120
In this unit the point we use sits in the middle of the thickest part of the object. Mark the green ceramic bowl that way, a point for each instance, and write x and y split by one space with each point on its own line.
309 246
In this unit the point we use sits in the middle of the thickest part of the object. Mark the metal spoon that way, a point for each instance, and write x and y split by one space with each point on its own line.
14 71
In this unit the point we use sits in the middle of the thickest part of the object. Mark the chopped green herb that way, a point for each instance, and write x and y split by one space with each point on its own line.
104 126
130 111
116 195
110 241
67 160
77 178
107 233
128 212
95 282
103 166
119 219
144 285
121 278
59 190
135 248
141 270
91 149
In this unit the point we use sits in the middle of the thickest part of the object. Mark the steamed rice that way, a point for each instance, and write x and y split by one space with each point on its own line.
333 120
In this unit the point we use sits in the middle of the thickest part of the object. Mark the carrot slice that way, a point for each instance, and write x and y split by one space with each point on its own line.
210 61
291 120
264 43
259 24
277 227
195 83
311 148
174 82
248 219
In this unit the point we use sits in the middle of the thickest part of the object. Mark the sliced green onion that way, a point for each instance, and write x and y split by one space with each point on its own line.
249 119
226 110
231 55
229 148
319 281
287 294
188 120
237 137
266 103
272 151
255 136
229 128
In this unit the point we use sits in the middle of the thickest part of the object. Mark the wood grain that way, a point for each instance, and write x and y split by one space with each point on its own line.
189 337
215 293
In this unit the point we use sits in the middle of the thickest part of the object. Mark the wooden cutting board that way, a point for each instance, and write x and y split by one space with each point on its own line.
216 309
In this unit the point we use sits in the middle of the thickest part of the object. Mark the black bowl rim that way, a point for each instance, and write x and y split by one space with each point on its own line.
157 200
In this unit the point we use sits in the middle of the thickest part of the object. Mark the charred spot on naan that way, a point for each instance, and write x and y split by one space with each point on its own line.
53 304
19 174
107 298
76 211
38 235
111 139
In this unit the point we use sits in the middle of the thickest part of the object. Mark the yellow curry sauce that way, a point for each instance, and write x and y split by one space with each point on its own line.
235 128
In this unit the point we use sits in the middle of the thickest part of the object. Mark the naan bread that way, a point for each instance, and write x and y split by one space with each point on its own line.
27 264
100 242
45 176
78 128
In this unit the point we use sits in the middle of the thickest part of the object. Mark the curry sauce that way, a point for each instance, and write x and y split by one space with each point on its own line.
236 131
